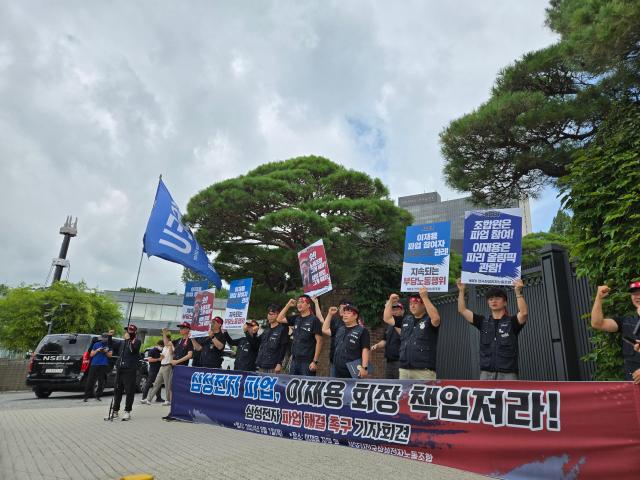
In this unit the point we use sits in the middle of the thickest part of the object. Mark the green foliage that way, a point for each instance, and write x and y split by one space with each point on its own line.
138 290
603 191
455 267
22 313
372 287
4 289
561 224
150 341
533 242
259 221
548 105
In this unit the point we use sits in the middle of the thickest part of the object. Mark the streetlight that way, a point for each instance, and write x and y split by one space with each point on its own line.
51 314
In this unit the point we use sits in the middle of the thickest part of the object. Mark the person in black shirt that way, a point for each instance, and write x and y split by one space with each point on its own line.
418 336
307 336
182 347
335 322
246 347
129 362
273 343
498 332
153 358
391 343
627 325
211 346
353 342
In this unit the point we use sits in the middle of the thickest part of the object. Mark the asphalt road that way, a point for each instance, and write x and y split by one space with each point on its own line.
64 438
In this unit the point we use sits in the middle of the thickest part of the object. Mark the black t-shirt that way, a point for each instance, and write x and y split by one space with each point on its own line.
392 339
131 353
273 346
246 352
336 323
305 330
154 352
181 347
210 355
629 325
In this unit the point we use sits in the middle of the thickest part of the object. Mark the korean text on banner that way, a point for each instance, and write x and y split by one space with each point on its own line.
202 312
510 430
492 248
190 291
238 303
314 270
426 257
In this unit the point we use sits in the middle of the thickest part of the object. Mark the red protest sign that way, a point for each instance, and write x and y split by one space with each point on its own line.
202 312
314 269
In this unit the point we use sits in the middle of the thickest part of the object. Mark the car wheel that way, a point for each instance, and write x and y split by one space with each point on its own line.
142 382
42 393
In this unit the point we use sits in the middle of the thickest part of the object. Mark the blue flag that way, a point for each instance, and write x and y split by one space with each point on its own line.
166 237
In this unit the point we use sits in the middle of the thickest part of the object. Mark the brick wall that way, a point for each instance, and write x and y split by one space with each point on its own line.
13 374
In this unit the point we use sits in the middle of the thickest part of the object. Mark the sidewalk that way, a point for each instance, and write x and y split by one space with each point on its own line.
75 443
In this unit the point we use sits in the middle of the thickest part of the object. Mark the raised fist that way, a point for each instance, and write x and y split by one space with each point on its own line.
603 291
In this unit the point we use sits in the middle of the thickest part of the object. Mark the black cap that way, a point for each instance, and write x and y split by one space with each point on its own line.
351 306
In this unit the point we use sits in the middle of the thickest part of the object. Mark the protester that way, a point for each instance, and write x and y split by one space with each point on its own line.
335 322
165 374
498 332
100 354
273 343
129 362
418 336
182 347
246 347
153 355
307 336
353 342
211 346
628 325
391 343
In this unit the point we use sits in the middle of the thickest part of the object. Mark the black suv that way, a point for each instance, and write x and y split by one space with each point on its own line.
61 362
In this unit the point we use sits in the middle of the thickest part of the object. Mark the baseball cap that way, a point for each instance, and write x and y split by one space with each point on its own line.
398 305
185 325
633 286
132 328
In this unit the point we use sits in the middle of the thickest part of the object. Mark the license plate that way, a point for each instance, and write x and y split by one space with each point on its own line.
54 370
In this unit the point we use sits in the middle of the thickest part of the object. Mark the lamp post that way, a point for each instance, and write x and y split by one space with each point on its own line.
51 314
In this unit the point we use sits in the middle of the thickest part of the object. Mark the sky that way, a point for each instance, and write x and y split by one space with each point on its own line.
97 99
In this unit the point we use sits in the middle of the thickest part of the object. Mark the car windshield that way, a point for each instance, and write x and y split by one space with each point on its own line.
64 344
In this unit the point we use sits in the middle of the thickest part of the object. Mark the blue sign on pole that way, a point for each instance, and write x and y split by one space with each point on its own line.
166 237
426 257
492 248
238 303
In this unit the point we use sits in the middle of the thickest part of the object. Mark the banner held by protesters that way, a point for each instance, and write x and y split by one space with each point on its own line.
492 247
314 270
426 257
238 303
189 299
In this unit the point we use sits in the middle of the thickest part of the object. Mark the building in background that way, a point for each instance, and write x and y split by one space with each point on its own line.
429 208
154 311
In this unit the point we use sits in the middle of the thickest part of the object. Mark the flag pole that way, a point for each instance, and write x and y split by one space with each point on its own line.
133 300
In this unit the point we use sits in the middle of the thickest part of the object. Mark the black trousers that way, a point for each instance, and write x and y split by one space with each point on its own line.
153 373
126 383
96 373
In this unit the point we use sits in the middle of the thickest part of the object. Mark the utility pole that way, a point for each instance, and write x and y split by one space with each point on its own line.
69 230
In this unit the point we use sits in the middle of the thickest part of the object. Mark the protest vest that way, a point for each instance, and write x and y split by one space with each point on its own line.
498 348
348 345
418 343
304 340
268 355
